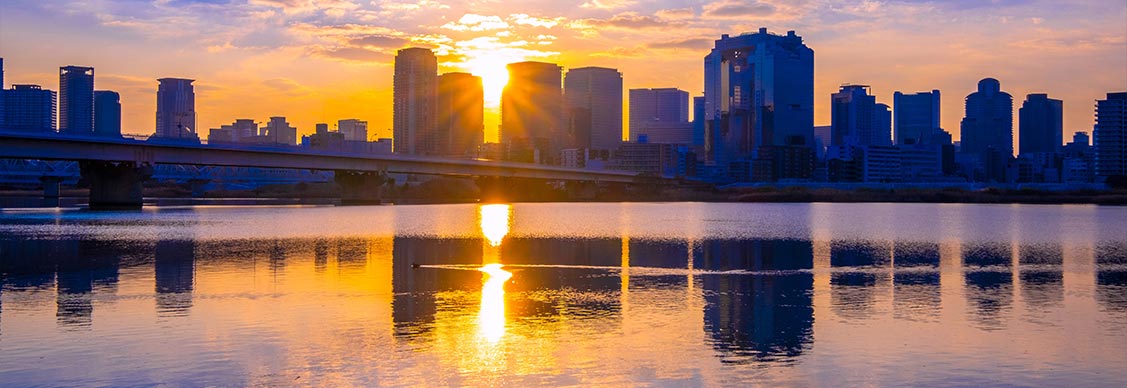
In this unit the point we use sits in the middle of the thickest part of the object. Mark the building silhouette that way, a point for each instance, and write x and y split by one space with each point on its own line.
857 118
916 117
278 131
107 113
1040 125
2 93
661 115
176 110
76 100
594 107
29 108
987 131
460 126
1110 135
759 91
415 85
352 129
532 120
698 121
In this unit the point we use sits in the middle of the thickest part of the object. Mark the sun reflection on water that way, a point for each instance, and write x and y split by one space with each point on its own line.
495 223
491 318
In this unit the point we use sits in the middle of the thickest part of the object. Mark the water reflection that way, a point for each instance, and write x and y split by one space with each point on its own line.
484 295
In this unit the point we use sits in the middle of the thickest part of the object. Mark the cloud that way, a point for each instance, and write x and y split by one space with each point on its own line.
676 13
378 41
688 44
607 4
475 22
287 86
732 9
525 20
410 6
353 54
629 20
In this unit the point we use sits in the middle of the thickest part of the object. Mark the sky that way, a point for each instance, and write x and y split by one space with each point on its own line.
323 60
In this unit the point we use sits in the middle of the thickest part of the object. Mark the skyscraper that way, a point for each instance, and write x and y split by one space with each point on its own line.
416 81
698 121
857 118
107 113
532 112
594 107
76 100
1040 125
1110 135
989 120
461 105
29 108
987 131
759 91
661 115
916 117
176 110
2 93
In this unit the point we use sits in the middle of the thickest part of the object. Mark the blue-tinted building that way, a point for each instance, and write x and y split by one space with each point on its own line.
107 113
76 100
987 131
698 121
916 118
857 118
758 91
1041 124
29 108
1110 135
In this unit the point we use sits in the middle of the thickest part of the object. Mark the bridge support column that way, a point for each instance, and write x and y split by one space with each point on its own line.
197 186
115 185
359 187
50 186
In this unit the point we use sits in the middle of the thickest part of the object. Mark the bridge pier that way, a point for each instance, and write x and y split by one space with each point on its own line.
359 187
50 185
197 186
115 185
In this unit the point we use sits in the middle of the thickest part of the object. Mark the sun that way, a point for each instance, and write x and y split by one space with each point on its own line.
494 75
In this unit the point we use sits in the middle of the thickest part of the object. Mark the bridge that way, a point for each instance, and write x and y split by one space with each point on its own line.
116 168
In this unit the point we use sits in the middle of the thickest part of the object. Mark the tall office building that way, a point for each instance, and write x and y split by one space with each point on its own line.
2 93
1110 135
353 129
759 91
76 100
1040 124
916 117
107 113
416 81
176 110
698 121
278 131
532 112
594 107
857 118
461 105
29 108
657 106
989 120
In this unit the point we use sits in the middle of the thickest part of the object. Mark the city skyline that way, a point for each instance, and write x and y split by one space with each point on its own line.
321 61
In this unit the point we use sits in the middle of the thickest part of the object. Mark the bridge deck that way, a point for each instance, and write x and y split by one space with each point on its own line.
56 147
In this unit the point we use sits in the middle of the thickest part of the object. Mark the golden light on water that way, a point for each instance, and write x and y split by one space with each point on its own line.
495 223
491 317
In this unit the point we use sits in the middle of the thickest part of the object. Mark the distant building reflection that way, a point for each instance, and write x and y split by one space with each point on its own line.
915 283
760 317
1111 276
1041 276
174 270
860 270
989 282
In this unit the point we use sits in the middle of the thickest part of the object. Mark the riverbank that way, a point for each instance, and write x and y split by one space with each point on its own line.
947 195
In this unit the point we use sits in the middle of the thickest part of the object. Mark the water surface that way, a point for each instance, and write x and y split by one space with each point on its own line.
566 294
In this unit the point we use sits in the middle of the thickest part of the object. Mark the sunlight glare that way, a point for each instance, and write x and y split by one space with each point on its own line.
491 317
495 223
